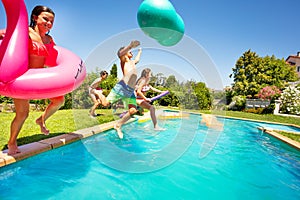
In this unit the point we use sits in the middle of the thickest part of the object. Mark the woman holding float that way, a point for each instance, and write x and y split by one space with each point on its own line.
143 86
41 72
41 51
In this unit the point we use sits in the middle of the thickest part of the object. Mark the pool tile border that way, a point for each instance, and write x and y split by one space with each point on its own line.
41 146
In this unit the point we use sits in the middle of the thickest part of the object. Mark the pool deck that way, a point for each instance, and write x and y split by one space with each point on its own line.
41 146
35 148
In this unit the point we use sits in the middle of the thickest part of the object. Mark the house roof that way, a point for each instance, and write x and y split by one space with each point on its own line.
290 57
297 56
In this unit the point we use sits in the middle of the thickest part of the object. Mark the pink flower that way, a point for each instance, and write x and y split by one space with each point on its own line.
268 92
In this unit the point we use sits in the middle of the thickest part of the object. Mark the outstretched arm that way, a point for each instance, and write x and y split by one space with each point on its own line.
138 56
155 90
132 44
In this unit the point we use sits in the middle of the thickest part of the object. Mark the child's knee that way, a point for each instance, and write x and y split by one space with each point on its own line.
22 116
105 103
58 101
132 111
61 101
152 108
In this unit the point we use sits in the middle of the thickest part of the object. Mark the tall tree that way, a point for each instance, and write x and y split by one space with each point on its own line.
278 72
111 80
171 82
244 72
203 95
114 71
251 73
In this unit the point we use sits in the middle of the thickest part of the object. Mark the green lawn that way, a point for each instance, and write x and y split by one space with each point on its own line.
66 121
265 117
63 121
293 136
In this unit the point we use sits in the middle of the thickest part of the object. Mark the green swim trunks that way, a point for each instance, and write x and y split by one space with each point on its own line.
123 92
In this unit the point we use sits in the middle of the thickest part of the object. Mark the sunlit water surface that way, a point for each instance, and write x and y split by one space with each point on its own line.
244 163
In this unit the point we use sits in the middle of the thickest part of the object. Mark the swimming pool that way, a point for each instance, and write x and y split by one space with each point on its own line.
244 163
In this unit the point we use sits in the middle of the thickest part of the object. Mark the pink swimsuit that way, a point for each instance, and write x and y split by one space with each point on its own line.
36 48
46 50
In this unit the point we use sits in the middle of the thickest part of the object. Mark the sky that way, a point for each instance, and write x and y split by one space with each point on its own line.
217 33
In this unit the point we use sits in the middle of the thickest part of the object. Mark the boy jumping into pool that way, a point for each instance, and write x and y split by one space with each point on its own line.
124 89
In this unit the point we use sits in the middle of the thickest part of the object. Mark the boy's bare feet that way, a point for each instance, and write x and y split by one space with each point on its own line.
118 129
44 130
13 149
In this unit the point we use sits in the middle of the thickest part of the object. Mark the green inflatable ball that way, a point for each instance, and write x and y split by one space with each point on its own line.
159 20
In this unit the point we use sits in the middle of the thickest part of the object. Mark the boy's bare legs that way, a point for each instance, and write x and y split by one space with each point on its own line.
122 121
55 104
22 112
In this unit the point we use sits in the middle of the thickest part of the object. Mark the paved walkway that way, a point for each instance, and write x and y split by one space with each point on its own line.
287 115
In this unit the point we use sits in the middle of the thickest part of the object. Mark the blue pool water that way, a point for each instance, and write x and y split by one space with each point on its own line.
244 164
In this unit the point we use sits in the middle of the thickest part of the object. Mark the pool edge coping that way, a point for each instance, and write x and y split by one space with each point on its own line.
34 148
278 136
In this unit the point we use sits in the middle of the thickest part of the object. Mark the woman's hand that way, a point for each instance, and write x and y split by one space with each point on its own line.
148 99
2 34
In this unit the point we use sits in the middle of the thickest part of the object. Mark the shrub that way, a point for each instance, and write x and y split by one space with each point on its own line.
237 103
269 92
290 100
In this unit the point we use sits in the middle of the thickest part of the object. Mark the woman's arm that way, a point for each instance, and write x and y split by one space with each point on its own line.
2 33
155 90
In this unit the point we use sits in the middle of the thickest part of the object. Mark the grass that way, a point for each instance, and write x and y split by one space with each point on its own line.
260 117
292 136
63 121
66 121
